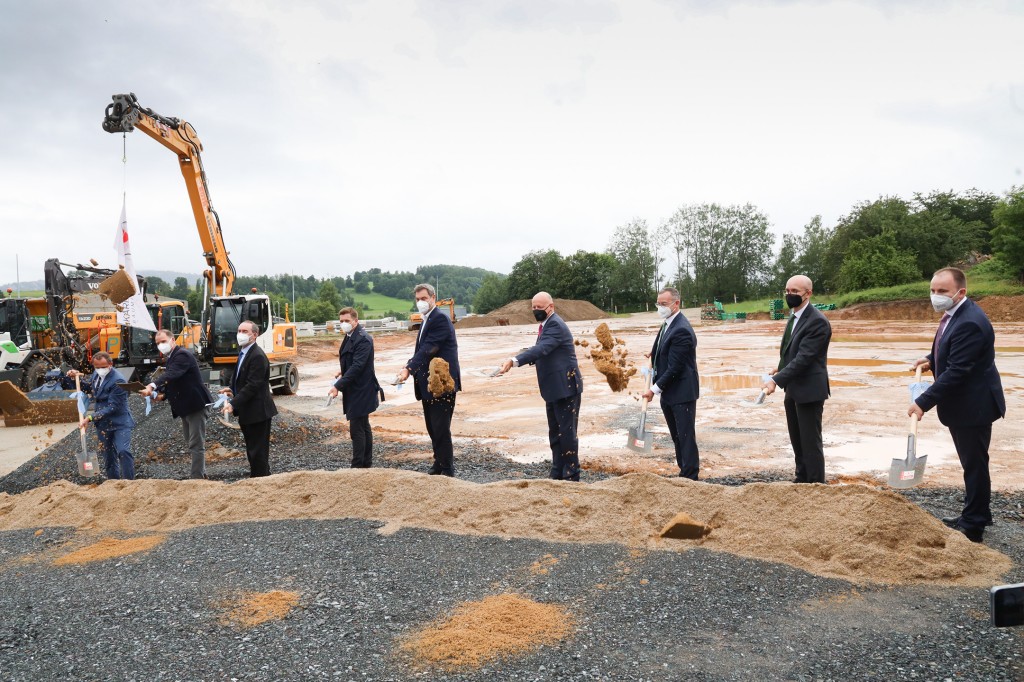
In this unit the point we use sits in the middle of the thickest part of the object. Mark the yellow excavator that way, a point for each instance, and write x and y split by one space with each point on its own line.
224 309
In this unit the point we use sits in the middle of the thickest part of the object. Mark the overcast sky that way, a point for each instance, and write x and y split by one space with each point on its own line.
341 136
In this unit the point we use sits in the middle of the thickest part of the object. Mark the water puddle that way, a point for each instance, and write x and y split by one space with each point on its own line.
862 362
891 338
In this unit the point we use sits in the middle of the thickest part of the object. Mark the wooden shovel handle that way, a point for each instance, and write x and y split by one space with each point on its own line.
917 375
913 424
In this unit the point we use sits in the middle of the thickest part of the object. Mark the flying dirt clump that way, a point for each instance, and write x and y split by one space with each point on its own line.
610 359
439 379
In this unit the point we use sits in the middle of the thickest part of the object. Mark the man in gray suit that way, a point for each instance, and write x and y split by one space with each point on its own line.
803 375
561 385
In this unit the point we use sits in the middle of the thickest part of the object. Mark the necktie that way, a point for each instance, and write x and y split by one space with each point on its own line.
238 366
785 340
657 344
938 335
540 328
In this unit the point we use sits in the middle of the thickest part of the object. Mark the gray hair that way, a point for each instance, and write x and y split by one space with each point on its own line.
424 287
671 291
252 326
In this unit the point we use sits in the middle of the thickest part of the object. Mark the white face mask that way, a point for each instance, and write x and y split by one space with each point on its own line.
243 339
423 307
102 372
164 347
941 303
664 311
346 327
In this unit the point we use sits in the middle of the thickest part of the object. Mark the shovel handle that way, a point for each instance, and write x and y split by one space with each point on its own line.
913 424
917 375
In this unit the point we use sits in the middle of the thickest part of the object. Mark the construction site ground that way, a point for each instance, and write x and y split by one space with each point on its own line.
864 425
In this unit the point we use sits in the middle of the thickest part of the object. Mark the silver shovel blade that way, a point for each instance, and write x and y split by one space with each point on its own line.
639 440
906 473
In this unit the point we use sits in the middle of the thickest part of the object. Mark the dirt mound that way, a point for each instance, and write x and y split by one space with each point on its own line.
851 532
998 309
521 312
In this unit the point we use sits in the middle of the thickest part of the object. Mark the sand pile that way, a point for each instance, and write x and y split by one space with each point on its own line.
253 608
521 312
109 548
998 309
439 377
850 532
494 627
610 359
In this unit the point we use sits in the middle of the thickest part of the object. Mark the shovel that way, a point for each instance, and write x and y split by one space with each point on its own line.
640 439
87 464
908 472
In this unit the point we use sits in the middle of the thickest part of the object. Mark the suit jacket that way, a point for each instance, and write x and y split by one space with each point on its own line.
182 384
436 340
804 374
110 403
358 383
675 357
554 354
252 401
967 387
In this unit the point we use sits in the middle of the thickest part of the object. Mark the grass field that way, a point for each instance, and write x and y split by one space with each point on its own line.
377 304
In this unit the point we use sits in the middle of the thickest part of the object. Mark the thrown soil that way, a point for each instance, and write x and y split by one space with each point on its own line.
109 548
254 608
610 359
439 377
482 631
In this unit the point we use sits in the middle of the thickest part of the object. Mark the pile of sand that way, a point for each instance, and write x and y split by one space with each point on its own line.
521 312
482 631
439 378
850 532
610 358
997 308
250 609
109 548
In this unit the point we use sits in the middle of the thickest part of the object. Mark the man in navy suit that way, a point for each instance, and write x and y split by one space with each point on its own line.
181 384
436 339
110 414
803 374
674 360
251 402
358 386
967 391
561 385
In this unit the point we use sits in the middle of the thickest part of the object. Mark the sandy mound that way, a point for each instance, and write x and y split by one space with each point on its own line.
998 309
483 631
850 532
521 312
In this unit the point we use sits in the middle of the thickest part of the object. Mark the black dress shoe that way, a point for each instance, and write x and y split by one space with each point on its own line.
951 521
434 471
972 534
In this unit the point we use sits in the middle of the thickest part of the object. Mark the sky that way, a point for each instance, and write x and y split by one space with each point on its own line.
341 136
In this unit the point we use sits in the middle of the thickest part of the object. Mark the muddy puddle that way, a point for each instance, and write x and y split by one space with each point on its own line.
863 362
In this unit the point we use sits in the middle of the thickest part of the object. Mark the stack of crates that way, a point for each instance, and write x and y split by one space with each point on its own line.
776 309
825 306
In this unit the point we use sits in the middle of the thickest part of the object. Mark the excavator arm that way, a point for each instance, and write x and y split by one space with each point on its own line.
124 115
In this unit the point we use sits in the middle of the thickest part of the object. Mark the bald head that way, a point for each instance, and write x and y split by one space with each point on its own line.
542 300
798 291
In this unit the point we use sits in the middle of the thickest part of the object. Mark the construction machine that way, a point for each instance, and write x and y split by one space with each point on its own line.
224 309
416 320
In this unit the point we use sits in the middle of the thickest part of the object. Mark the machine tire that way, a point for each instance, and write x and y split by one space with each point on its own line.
34 374
291 381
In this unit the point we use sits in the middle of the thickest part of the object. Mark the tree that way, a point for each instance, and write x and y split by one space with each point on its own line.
362 287
180 290
328 293
587 276
876 262
637 265
785 264
535 271
492 294
1008 234
315 311
156 285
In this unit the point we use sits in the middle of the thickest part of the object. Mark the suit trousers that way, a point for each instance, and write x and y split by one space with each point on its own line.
193 427
972 447
118 460
257 446
804 421
563 426
681 419
362 442
437 413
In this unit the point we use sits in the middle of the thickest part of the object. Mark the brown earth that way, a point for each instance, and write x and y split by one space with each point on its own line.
998 309
250 609
439 378
521 312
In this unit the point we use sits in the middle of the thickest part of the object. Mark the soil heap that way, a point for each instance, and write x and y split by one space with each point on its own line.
521 312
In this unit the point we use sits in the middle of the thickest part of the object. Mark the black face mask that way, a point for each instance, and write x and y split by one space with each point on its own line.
540 315
794 300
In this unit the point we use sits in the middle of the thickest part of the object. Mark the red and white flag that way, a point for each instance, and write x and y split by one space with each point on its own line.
134 313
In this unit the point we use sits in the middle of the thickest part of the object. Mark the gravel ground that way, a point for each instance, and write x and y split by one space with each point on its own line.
641 616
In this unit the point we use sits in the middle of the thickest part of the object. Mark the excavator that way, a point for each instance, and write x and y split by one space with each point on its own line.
224 309
416 320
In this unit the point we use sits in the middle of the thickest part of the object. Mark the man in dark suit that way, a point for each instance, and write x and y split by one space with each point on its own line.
251 401
110 415
436 339
803 374
358 386
561 385
674 361
967 391
181 384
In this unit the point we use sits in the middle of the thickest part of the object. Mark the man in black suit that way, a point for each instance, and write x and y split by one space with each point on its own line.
251 401
674 361
436 339
967 391
561 385
182 385
803 374
358 386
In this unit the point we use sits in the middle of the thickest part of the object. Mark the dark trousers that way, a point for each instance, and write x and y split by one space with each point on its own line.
257 447
972 447
563 424
362 442
437 413
118 460
681 418
804 421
